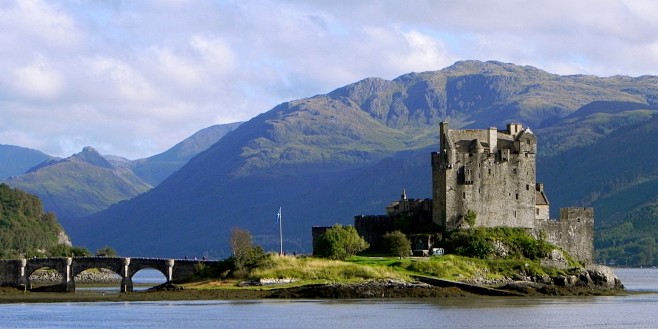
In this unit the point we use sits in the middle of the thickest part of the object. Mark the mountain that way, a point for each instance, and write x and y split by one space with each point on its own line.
79 185
155 169
16 160
24 226
329 157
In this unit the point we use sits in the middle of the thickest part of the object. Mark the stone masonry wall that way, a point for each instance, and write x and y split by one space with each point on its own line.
574 232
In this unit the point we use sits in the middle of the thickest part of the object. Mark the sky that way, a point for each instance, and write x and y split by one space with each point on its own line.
133 78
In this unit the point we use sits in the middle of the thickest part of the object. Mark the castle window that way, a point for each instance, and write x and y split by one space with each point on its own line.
517 196
526 154
514 171
464 195
527 141
527 187
514 213
489 171
537 211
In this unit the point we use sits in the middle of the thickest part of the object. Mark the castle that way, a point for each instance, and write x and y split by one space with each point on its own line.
493 174
490 174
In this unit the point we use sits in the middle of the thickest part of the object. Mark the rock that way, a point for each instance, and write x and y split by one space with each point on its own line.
604 276
167 286
556 259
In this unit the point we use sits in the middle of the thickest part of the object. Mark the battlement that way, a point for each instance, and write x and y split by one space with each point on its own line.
578 215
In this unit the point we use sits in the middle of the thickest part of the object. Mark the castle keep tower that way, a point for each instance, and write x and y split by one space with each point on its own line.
490 172
493 173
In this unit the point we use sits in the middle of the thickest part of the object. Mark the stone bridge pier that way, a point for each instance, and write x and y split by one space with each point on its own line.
17 273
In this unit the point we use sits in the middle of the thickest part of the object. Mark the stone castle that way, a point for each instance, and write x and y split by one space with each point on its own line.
493 174
490 173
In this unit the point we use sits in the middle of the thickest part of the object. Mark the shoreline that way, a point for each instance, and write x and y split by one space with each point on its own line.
383 289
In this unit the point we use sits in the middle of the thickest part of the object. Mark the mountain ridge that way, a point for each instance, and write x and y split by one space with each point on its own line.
301 153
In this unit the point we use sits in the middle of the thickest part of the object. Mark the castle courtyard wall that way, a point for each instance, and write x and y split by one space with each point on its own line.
573 231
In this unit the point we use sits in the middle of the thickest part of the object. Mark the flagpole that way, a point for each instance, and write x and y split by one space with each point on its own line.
280 233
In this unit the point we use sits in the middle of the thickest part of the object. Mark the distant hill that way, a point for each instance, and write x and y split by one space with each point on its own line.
155 169
24 226
16 160
329 157
616 172
79 185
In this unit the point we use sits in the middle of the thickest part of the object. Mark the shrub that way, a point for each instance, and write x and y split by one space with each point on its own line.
106 251
397 244
339 242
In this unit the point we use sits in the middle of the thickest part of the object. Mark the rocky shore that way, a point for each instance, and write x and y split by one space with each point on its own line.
594 279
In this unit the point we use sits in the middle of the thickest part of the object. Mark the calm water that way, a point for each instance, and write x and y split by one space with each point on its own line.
635 310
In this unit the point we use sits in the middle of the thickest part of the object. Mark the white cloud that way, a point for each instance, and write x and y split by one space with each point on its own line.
37 81
135 77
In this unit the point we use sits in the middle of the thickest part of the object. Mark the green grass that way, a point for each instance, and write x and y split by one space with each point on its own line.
360 268
314 269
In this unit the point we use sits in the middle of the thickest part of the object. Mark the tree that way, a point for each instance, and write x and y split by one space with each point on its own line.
340 242
106 251
245 254
397 243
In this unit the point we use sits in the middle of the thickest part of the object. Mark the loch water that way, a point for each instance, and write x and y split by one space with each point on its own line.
637 309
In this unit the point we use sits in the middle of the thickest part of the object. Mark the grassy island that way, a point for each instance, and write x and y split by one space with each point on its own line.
479 261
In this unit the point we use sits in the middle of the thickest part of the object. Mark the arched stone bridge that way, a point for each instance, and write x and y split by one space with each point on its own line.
17 273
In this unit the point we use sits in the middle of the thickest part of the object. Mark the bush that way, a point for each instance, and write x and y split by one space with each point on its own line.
339 242
469 243
397 244
62 250
106 251
479 243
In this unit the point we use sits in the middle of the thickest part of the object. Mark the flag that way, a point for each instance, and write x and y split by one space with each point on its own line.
278 216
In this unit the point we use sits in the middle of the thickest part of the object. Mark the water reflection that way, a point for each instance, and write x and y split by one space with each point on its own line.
142 280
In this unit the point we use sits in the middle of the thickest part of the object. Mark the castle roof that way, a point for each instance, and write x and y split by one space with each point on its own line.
541 198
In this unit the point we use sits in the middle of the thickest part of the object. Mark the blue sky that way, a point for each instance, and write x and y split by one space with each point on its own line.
133 78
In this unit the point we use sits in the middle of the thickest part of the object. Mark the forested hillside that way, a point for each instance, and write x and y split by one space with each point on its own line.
24 227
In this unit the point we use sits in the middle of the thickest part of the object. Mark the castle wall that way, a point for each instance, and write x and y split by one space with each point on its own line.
573 231
372 228
316 232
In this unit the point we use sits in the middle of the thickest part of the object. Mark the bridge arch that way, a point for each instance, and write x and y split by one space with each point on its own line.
164 266
114 264
61 265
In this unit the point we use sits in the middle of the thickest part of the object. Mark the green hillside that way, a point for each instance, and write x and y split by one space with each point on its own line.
79 185
327 158
24 226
